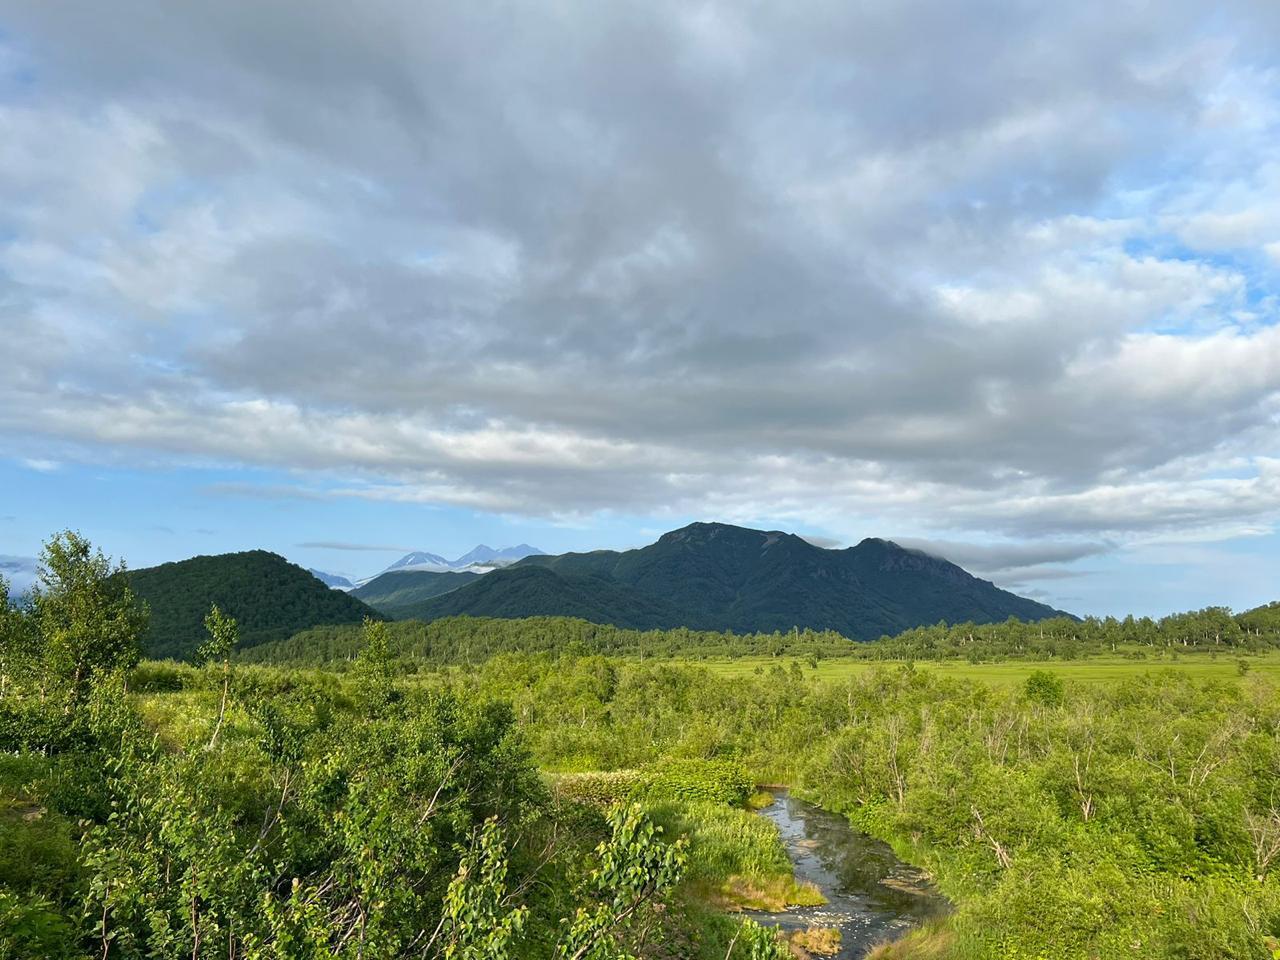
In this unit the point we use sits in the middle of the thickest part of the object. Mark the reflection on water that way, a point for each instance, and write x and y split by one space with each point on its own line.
871 894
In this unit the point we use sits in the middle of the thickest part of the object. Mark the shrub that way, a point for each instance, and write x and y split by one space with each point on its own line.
162 676
599 787
43 727
33 927
1044 688
715 781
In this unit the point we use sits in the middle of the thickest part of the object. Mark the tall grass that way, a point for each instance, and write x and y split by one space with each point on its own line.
736 858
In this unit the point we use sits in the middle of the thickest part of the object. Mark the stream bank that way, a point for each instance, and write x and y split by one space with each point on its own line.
871 894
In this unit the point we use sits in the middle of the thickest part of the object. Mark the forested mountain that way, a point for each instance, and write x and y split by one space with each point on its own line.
713 576
398 593
270 597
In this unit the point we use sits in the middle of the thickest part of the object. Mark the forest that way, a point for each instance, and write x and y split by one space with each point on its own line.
271 599
463 639
550 788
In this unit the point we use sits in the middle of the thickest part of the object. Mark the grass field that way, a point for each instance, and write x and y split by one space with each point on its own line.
1225 666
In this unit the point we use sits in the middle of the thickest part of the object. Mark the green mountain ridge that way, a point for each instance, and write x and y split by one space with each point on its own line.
270 598
714 576
399 593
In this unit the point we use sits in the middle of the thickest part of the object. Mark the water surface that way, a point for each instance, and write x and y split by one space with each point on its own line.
871 894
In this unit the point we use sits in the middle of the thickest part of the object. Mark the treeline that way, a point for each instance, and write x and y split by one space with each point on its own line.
1066 638
463 640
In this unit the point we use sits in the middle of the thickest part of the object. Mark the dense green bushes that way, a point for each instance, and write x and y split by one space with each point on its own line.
1079 825
700 781
346 826
600 788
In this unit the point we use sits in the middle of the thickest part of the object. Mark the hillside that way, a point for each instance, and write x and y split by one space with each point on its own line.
398 593
713 576
270 597
532 591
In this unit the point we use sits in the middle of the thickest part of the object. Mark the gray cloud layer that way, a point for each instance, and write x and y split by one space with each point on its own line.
1014 564
995 267
19 573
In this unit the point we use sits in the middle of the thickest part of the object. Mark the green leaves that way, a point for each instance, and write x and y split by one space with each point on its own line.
479 922
636 869
224 634
1045 688
754 942
373 672
88 619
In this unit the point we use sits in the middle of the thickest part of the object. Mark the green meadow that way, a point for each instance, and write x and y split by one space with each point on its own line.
1100 669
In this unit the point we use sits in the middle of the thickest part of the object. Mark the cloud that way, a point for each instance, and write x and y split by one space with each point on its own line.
263 491
40 466
1013 562
826 543
1008 556
700 261
341 545
20 573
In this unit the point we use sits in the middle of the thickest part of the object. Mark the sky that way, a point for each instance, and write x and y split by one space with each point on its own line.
997 280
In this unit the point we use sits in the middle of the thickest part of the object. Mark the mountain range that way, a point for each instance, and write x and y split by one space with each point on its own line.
479 556
479 559
334 580
706 576
714 576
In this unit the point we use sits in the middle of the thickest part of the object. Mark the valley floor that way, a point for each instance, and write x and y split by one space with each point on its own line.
1123 805
1197 665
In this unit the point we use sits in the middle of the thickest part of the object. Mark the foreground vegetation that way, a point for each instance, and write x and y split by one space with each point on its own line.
1064 820
256 814
449 798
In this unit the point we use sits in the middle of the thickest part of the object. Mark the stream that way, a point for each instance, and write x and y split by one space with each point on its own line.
871 894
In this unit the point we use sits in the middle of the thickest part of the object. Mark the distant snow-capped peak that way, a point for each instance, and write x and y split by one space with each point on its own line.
335 580
417 560
480 559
